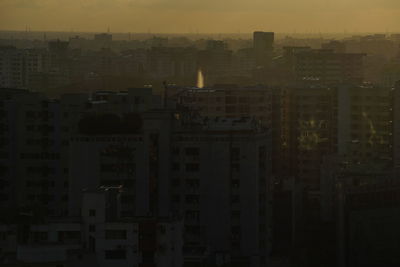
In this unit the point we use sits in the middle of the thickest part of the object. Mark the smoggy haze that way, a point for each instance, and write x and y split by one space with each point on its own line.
203 16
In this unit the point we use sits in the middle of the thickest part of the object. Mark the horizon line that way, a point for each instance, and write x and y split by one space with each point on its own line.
345 32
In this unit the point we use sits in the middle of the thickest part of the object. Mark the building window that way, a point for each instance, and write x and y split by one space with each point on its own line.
176 198
235 230
192 167
235 183
235 214
117 254
148 257
235 153
40 236
235 167
192 199
116 234
192 151
235 199
230 109
138 100
128 199
92 228
175 182
175 166
92 213
175 150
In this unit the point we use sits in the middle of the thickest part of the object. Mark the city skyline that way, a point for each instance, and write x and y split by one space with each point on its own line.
188 133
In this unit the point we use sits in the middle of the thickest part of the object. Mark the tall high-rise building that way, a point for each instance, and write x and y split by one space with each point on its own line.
354 122
98 237
263 45
230 101
215 172
34 150
205 171
215 61
396 126
327 66
19 66
35 141
365 123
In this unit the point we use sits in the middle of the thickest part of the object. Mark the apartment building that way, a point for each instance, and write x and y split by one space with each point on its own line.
18 67
215 174
328 67
204 171
355 122
99 236
35 142
230 101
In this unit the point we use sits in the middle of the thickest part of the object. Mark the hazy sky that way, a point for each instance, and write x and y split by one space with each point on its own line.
206 16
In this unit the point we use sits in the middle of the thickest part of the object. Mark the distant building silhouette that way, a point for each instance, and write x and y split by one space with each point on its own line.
263 45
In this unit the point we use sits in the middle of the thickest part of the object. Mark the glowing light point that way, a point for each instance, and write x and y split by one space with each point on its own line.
200 79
